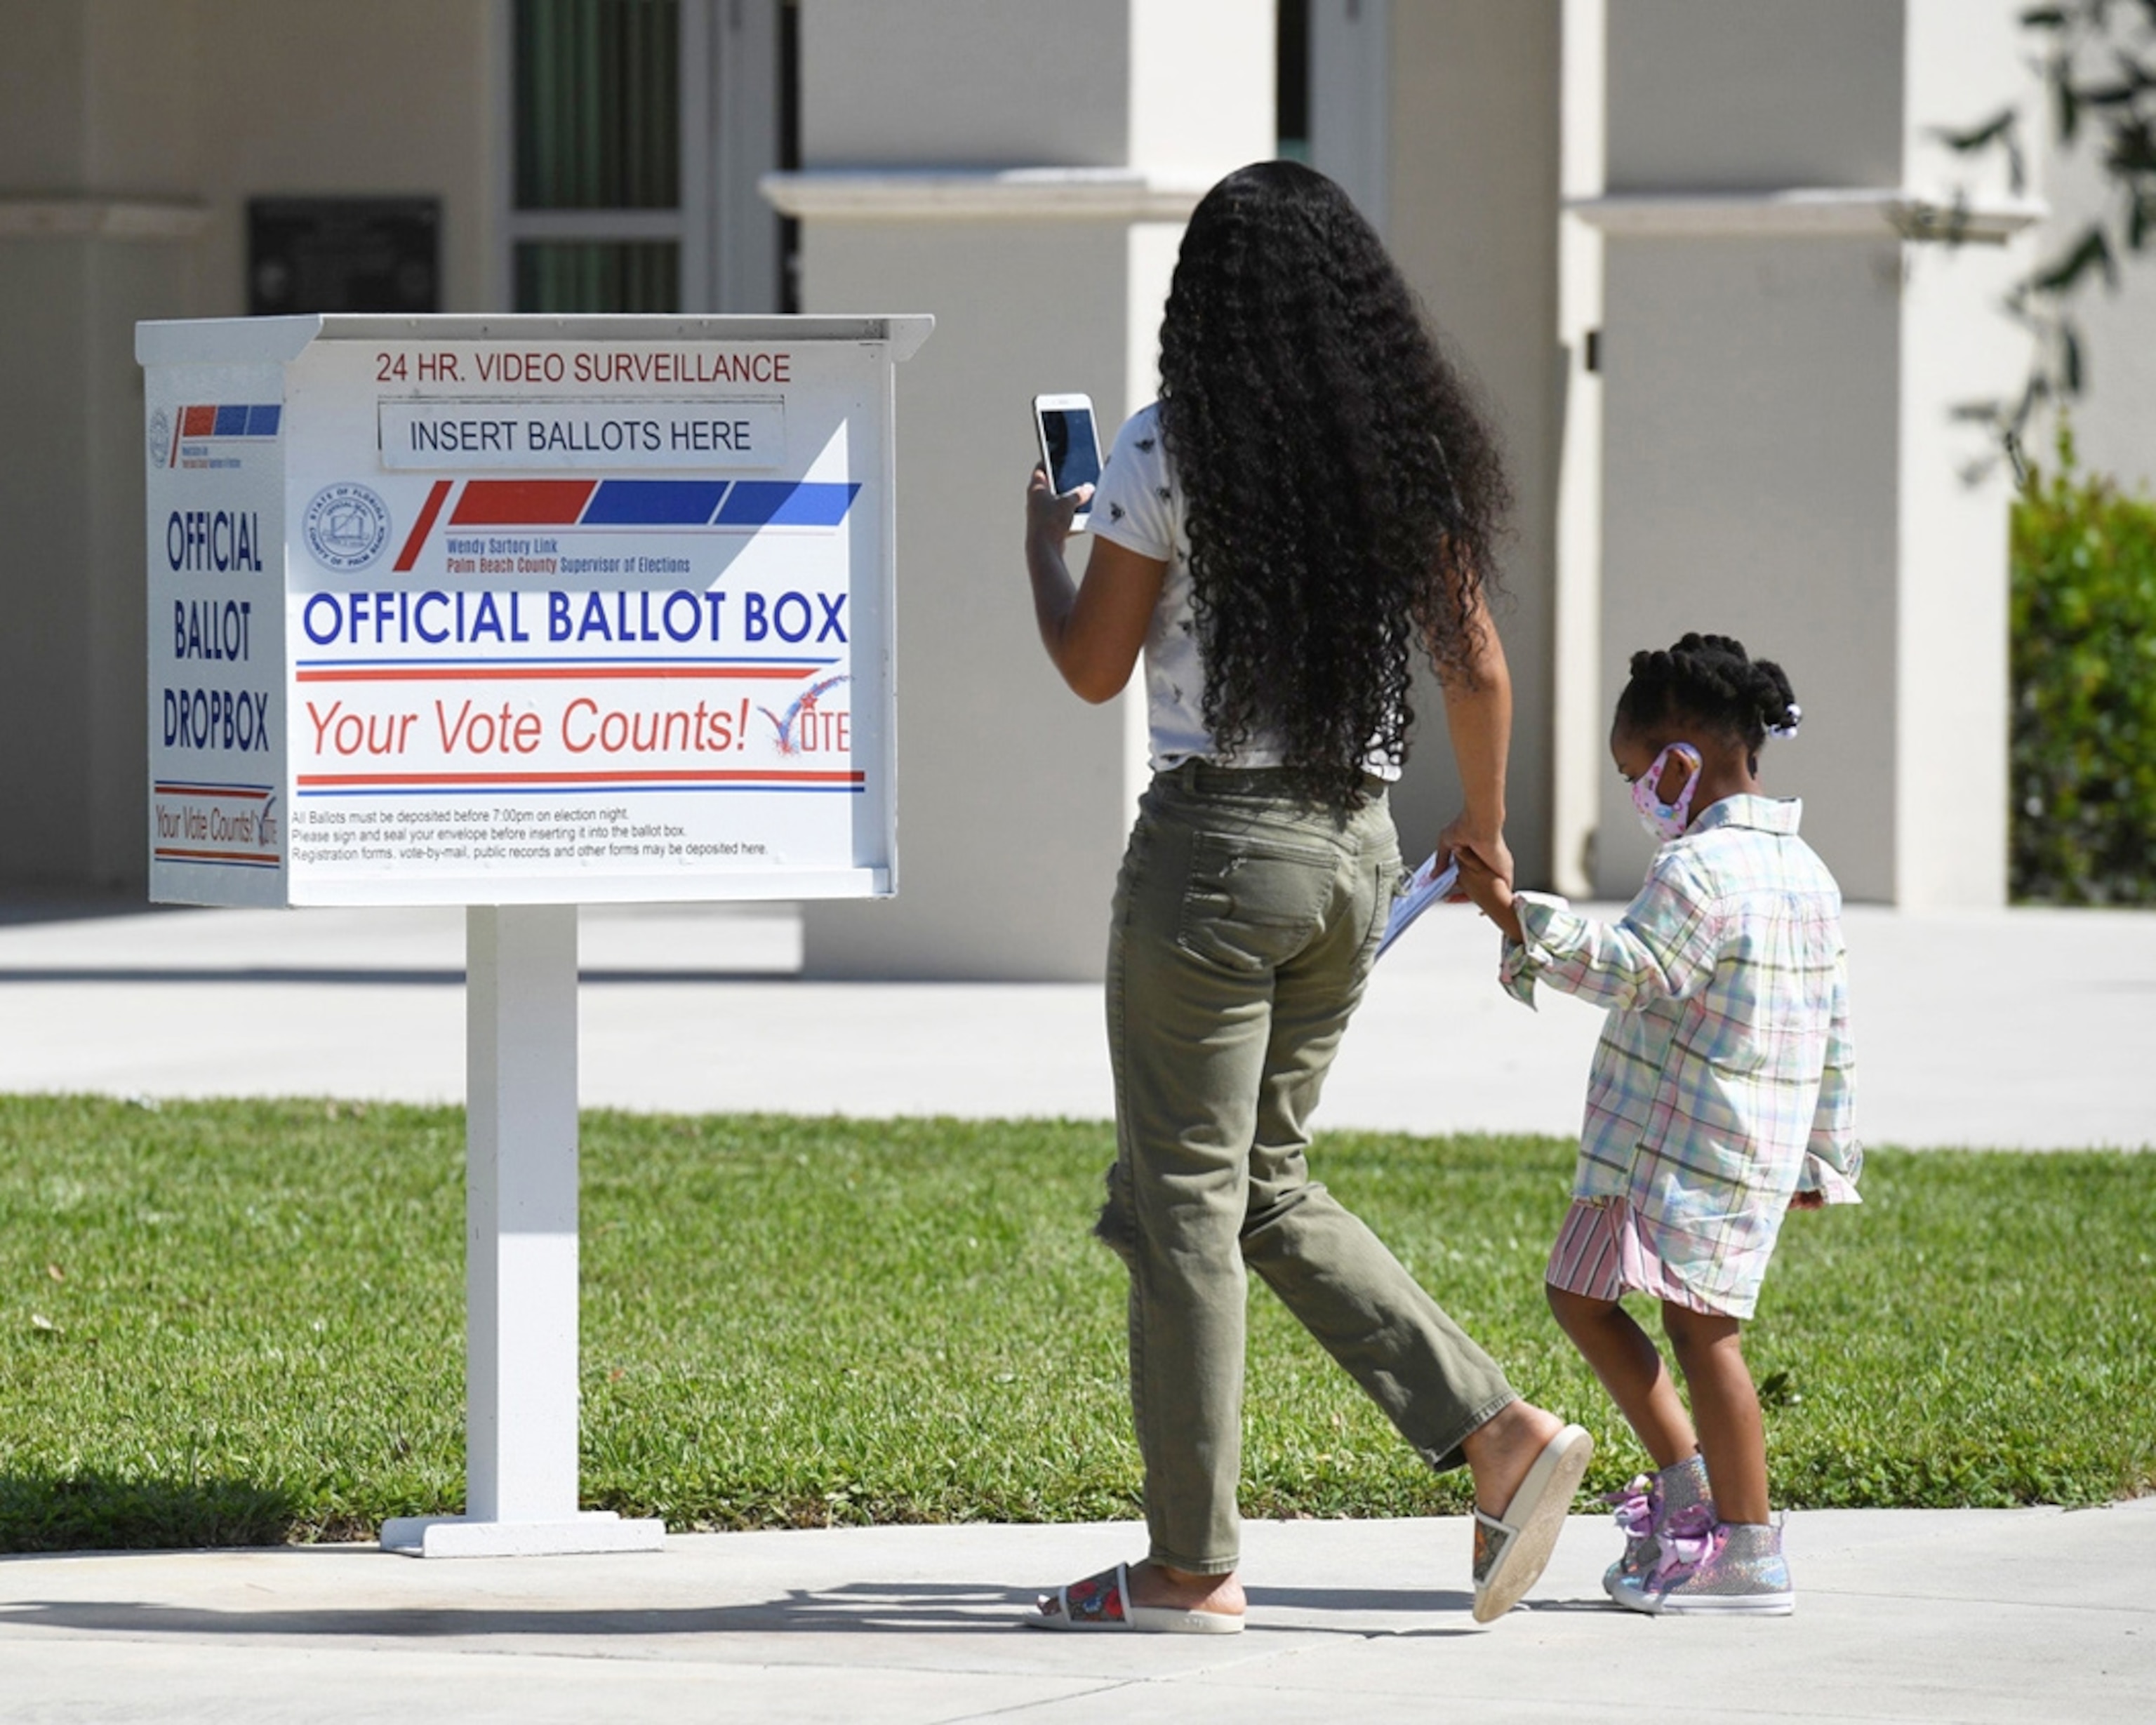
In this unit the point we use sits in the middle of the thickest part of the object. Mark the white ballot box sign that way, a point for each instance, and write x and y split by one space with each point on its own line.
520 610
520 613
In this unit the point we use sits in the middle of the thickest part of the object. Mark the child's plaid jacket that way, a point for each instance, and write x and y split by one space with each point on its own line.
1722 1084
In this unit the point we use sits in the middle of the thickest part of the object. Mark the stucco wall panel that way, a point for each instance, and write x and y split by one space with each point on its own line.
1012 795
965 83
1714 95
46 770
1474 225
1750 478
307 97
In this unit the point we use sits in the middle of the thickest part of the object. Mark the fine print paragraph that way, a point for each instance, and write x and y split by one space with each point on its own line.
595 837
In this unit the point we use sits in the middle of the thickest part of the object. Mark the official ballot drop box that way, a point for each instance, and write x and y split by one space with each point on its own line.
519 614
520 610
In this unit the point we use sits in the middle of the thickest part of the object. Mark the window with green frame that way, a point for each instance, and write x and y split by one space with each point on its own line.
598 155
598 275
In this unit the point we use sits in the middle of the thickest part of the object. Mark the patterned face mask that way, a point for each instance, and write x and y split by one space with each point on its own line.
1666 820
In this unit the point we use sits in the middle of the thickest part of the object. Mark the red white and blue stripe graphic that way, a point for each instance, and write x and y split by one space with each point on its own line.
740 506
227 419
214 848
705 677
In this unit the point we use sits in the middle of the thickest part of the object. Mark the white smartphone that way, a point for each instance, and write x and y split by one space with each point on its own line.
1070 445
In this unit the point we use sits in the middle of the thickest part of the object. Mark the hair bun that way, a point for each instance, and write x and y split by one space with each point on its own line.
1710 679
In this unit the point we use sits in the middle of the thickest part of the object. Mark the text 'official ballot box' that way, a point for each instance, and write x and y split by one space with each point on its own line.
520 610
518 613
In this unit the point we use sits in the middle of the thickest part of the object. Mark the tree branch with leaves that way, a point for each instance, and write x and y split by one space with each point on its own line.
2096 59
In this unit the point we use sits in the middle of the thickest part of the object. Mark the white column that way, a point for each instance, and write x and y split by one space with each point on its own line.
521 1281
1579 710
1033 202
1952 729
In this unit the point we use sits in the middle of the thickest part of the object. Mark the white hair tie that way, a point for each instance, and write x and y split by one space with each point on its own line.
1787 727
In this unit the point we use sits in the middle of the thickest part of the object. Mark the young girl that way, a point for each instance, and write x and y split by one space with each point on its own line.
1719 1100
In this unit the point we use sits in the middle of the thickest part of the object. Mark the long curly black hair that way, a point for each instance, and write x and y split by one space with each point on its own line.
1343 490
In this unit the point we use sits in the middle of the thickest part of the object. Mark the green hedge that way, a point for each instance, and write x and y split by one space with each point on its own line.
2084 653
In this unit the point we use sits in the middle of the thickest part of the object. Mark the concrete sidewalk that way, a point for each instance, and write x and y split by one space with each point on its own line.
2018 1617
2024 1028
2028 1028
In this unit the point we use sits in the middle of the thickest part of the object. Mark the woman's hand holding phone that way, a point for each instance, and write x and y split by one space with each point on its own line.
1049 516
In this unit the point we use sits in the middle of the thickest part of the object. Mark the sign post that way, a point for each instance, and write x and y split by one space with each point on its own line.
519 614
520 1257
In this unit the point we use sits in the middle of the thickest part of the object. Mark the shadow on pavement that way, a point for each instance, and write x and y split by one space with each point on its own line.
860 1608
433 976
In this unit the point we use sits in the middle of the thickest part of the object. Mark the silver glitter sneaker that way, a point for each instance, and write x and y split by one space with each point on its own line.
1643 1508
1737 1567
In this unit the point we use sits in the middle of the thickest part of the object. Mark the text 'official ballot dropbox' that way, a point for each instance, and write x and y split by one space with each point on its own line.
518 613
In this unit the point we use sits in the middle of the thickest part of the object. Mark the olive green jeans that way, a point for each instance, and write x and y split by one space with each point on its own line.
1246 922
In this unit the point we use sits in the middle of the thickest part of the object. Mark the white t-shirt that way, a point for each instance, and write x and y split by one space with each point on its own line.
1139 504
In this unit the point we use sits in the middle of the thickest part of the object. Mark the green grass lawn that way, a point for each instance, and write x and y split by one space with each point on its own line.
242 1322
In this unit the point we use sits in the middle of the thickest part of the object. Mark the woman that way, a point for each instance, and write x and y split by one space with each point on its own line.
1313 495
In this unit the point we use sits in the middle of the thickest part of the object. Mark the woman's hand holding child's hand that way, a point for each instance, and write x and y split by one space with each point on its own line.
1480 838
1493 895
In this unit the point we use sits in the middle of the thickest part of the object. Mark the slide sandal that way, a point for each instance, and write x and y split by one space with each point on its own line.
1102 1602
1509 1554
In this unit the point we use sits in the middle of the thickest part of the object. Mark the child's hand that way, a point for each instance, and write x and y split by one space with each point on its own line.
1463 833
1808 1201
1490 893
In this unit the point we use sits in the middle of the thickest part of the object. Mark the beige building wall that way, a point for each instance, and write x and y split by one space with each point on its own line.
1472 219
1744 96
1751 448
131 137
84 102
296 98
1014 795
1780 365
1034 206
1769 447
1751 455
